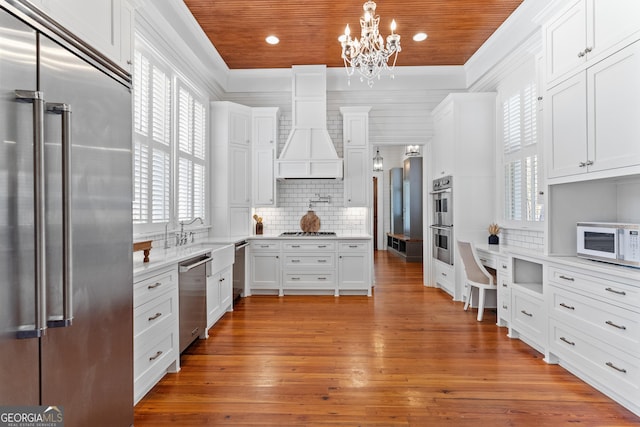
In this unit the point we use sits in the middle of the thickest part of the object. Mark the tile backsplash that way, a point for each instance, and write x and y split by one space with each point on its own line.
529 239
294 194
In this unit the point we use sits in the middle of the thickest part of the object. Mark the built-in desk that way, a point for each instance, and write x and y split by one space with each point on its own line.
409 249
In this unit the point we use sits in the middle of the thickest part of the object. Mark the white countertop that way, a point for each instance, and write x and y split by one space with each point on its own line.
160 258
337 237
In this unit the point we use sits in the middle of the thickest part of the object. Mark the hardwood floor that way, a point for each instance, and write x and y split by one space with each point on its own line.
408 356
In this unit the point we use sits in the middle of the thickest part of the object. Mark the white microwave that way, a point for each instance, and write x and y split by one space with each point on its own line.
610 242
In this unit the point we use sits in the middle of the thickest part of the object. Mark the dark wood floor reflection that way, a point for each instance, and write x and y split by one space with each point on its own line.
408 356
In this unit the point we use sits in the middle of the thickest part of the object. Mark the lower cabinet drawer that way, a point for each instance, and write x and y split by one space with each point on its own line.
309 260
443 276
157 314
295 280
528 315
615 370
152 287
153 354
504 302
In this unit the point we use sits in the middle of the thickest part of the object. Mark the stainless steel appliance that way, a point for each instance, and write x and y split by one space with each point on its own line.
442 244
65 224
442 228
192 285
396 220
443 201
615 243
239 269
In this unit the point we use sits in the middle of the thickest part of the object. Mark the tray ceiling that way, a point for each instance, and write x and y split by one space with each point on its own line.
309 30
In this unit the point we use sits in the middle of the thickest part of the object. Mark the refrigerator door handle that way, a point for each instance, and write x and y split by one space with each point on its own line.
67 266
38 329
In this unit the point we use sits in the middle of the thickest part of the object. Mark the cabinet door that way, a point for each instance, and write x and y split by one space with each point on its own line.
443 142
615 23
566 127
356 177
239 128
265 271
264 131
566 41
264 184
355 131
614 110
352 271
239 194
213 299
226 290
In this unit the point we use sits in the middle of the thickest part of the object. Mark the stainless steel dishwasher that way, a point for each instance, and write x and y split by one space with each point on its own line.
192 285
238 269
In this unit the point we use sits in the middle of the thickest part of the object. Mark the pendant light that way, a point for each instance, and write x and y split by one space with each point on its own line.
377 161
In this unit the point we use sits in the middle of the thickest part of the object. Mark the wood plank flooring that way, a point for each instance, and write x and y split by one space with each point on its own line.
408 356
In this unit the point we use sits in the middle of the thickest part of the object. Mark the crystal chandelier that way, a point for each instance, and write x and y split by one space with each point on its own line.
369 55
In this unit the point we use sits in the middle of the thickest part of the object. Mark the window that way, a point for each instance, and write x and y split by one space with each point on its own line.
522 199
169 153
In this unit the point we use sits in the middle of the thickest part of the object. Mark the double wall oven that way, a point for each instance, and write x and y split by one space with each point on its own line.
442 227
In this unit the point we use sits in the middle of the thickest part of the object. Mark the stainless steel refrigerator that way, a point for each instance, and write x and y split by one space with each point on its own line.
65 224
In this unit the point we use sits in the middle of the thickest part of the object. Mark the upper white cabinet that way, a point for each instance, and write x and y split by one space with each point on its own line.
105 25
230 169
265 144
587 31
357 170
592 118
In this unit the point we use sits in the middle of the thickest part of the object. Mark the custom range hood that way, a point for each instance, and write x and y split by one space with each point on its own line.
309 151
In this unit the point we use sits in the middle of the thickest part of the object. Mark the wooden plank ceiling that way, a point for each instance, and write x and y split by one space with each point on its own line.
309 30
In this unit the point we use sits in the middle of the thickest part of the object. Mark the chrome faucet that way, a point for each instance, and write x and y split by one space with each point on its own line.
182 238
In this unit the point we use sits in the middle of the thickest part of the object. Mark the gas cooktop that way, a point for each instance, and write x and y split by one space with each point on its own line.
308 234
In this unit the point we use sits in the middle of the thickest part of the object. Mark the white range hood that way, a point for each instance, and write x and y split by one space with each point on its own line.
309 151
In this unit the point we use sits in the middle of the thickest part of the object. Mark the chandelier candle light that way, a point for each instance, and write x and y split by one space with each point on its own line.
369 55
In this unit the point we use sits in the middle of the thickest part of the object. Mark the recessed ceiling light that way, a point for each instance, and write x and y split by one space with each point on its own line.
419 37
272 40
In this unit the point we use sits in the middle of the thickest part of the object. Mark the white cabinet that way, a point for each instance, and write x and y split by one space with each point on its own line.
354 266
219 295
592 118
155 329
309 265
264 267
459 119
357 162
503 270
265 144
594 329
230 169
105 25
586 32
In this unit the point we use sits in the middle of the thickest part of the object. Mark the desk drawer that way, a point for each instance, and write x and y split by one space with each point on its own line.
528 315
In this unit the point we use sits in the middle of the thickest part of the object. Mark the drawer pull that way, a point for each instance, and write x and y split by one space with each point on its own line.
195 331
264 246
482 260
322 260
444 274
567 306
504 306
152 358
615 292
322 278
353 246
567 341
322 246
155 316
295 278
295 246
610 323
571 279
155 285
295 260
612 366
525 313
504 285
504 266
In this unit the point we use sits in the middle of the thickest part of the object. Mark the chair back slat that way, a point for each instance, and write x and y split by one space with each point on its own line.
474 270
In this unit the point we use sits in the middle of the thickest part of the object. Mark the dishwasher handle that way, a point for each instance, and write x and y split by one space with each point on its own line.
186 267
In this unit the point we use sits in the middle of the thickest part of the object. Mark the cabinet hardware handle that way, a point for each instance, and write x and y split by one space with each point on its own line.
615 292
444 274
581 54
277 257
155 285
152 358
322 246
322 260
353 246
322 278
504 285
589 162
504 266
340 257
295 278
610 323
588 49
539 98
525 313
155 316
264 246
195 331
611 365
567 306
571 279
295 260
483 260
567 341
582 164
504 306
221 280
295 246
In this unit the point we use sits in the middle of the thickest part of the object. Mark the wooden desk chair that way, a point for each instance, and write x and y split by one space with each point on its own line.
476 275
